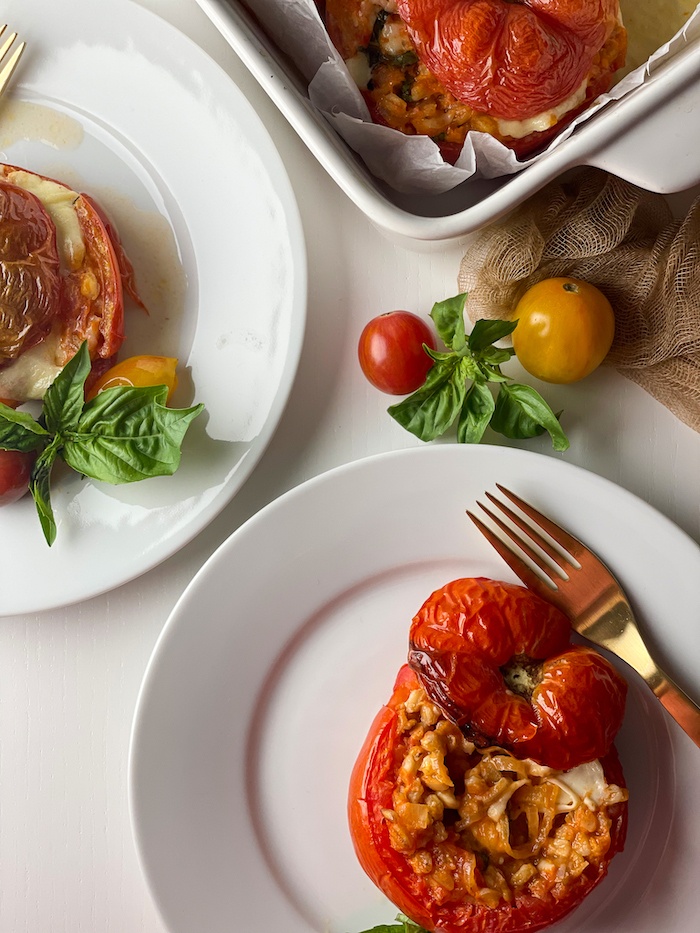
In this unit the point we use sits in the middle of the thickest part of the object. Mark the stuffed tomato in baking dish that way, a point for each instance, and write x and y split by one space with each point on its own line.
488 796
518 71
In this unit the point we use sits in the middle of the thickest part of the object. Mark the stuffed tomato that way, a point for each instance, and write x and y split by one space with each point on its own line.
467 839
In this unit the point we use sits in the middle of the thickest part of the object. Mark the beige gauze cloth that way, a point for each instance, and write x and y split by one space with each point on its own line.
623 239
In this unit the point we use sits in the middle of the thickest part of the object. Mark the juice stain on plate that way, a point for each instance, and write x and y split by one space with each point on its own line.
23 120
151 245
650 24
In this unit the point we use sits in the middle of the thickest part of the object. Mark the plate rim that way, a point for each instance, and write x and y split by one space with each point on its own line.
179 614
36 599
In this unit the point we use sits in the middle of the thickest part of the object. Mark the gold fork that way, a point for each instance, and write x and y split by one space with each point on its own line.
578 582
9 57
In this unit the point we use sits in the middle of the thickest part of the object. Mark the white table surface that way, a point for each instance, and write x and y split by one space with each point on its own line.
69 678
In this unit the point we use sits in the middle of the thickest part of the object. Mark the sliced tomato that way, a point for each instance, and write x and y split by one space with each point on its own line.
30 280
426 902
83 296
498 660
94 298
126 269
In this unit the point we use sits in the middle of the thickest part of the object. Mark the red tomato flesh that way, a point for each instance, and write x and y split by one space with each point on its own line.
510 60
497 659
391 352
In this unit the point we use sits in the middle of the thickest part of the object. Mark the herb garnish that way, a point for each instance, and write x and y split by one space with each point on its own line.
404 925
122 435
457 386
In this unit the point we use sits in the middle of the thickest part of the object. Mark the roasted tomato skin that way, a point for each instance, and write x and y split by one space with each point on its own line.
85 299
370 792
466 635
30 281
94 305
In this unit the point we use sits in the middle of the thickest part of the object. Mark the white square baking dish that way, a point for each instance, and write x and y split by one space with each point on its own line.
650 137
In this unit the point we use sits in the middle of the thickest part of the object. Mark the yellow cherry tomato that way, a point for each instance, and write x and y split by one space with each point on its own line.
138 371
565 329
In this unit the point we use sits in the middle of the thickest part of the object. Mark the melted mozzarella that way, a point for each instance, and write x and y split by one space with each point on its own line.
542 121
584 784
29 376
59 203
359 69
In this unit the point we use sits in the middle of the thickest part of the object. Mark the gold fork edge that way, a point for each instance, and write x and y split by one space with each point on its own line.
9 66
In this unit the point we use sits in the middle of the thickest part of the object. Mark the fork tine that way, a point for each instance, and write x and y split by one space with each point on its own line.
556 532
8 42
9 66
522 570
559 559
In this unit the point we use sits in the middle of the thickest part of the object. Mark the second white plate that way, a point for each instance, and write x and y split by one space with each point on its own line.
274 662
112 100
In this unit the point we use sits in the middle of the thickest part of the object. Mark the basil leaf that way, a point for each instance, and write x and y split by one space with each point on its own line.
438 354
19 431
127 434
486 332
409 926
388 928
404 925
521 412
39 487
476 413
448 317
495 355
64 399
492 373
432 408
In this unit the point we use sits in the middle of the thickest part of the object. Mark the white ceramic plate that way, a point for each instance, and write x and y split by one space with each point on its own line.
115 102
269 671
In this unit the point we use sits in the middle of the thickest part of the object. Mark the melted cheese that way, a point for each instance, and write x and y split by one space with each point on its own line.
584 784
59 203
517 129
29 376
359 69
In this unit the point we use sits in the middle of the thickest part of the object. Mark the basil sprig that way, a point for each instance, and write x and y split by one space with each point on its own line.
122 435
457 386
404 925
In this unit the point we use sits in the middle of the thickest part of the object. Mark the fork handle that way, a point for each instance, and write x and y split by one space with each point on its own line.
679 705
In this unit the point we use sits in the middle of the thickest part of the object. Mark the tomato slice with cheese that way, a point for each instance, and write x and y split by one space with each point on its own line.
60 247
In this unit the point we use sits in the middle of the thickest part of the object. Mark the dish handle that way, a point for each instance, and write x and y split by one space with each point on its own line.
658 137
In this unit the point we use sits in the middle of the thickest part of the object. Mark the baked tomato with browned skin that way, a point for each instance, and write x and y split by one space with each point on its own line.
497 659
465 839
63 273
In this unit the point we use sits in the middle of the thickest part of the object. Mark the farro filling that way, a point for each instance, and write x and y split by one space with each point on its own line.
480 825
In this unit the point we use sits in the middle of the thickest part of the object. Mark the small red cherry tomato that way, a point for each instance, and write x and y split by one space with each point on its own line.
496 659
391 352
138 371
15 470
